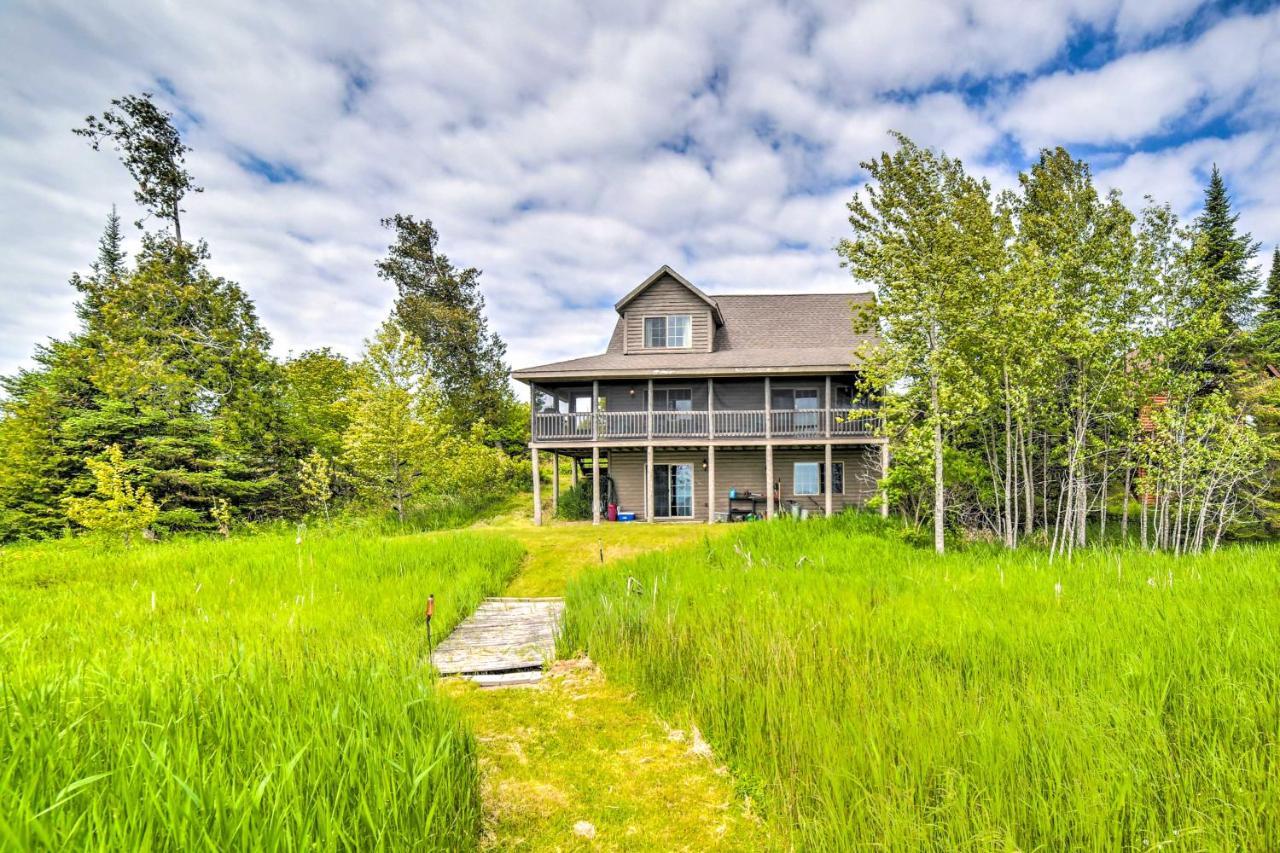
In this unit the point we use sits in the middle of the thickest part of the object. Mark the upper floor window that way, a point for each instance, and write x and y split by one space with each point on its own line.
671 331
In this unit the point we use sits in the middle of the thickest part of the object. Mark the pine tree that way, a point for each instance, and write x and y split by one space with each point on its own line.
1271 297
443 308
1226 255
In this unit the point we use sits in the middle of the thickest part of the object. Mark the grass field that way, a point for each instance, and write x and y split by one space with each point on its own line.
255 693
870 694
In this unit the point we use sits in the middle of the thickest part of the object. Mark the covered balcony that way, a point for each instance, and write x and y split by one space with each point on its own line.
792 407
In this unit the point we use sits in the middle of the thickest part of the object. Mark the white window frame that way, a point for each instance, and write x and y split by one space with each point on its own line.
651 343
822 479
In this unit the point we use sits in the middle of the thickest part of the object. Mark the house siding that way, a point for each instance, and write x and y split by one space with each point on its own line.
745 470
667 296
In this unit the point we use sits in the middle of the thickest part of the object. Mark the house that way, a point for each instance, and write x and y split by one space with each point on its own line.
716 408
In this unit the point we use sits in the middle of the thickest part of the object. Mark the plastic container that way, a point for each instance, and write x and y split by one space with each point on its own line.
613 512
626 516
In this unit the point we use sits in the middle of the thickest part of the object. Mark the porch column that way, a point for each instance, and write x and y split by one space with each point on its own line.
711 408
595 410
884 472
595 484
711 484
768 477
575 471
826 486
648 479
533 411
827 420
768 409
537 487
555 483
648 418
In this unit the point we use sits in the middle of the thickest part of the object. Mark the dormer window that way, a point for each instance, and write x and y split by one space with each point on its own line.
673 331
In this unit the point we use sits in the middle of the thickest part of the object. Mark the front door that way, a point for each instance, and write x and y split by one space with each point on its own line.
673 491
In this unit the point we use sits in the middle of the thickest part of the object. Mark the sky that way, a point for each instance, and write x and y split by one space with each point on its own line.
570 149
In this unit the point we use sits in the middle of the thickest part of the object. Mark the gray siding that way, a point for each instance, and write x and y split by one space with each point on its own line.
744 470
667 296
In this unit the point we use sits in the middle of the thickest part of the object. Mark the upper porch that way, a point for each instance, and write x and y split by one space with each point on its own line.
752 410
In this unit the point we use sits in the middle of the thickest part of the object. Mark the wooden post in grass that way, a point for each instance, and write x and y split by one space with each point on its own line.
537 487
595 484
430 612
711 484
555 483
826 477
768 477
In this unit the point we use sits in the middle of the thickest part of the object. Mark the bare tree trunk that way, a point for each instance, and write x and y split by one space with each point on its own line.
1102 492
1128 483
939 498
1142 519
1010 468
1028 520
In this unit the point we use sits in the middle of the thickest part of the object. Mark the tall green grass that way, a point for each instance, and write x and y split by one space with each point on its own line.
255 693
870 694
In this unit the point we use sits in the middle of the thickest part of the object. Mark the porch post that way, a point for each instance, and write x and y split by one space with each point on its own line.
555 483
830 414
826 486
711 408
768 409
533 411
648 418
595 484
711 484
537 487
884 472
768 476
595 410
648 480
575 471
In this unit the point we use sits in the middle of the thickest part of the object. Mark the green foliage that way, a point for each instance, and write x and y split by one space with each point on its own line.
314 399
118 507
152 150
861 689
251 693
443 308
315 481
575 502
1226 255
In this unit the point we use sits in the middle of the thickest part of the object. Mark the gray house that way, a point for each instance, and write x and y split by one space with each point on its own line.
714 408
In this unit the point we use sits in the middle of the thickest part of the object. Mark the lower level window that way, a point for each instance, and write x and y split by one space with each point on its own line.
810 478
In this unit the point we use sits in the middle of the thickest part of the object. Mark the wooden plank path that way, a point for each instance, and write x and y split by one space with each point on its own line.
506 641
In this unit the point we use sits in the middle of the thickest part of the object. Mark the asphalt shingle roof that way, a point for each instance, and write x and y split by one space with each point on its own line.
783 333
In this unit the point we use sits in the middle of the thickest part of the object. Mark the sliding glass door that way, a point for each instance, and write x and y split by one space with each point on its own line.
673 491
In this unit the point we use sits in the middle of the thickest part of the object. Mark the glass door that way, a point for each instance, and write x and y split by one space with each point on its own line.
673 491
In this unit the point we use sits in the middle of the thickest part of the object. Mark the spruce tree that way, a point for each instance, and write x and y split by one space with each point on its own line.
1271 297
1225 256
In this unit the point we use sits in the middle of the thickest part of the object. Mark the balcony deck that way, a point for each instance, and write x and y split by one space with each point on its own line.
751 425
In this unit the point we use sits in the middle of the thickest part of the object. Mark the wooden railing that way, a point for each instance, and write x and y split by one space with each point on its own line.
725 423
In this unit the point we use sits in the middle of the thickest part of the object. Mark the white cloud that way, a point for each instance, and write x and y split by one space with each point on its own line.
568 149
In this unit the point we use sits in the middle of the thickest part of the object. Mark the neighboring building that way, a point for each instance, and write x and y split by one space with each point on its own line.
700 397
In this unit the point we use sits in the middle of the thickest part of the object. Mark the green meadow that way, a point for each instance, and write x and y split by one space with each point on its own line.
256 693
868 694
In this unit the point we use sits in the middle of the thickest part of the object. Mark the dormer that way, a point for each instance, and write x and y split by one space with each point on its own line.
665 313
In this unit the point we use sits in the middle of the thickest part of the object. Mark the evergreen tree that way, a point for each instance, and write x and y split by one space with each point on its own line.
151 148
1271 296
443 308
1225 255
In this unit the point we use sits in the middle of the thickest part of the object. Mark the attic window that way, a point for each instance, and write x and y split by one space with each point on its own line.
672 331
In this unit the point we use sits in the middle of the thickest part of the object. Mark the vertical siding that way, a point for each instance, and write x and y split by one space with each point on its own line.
667 296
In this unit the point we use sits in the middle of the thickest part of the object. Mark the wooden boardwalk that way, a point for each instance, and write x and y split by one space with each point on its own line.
506 641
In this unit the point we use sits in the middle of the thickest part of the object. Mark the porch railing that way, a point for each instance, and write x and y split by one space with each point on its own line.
727 423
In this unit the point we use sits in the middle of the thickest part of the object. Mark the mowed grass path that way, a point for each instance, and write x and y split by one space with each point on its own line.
578 748
872 694
258 693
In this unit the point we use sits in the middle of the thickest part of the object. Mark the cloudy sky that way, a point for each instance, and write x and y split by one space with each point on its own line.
568 151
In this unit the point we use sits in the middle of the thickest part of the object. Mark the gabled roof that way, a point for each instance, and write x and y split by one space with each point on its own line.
665 270
767 333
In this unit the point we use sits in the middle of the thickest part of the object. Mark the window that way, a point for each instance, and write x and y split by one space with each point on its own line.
669 332
672 400
810 478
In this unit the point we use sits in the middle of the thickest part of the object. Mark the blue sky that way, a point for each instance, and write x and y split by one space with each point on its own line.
568 149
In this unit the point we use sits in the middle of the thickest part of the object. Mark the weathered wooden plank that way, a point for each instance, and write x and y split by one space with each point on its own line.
502 637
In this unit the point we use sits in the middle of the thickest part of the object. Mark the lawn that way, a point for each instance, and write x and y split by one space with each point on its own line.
871 694
228 695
